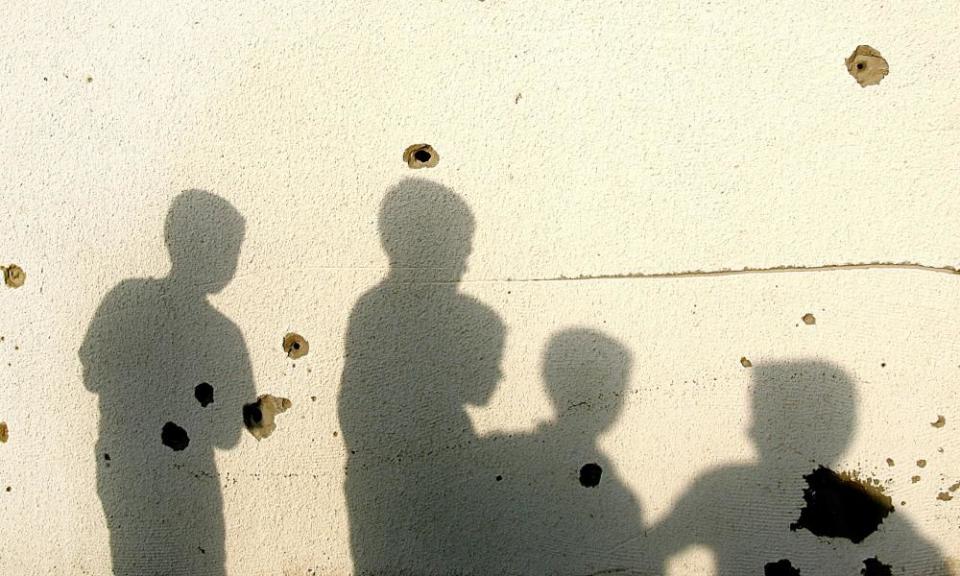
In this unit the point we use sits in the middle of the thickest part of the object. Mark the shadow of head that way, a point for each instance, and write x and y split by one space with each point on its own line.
203 233
424 225
803 411
586 374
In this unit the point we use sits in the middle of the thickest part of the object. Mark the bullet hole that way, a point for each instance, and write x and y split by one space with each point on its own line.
945 496
780 568
313 398
13 275
202 551
203 392
955 487
89 79
335 434
940 423
421 156
295 345
499 477
867 66
590 475
874 567
106 457
745 363
883 364
840 506
9 488
890 462
809 319
914 479
921 463
259 416
174 437
4 432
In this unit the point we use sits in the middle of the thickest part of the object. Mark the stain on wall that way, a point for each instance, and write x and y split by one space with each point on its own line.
842 506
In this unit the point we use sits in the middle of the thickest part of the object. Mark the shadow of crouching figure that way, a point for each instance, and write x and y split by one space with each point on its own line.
417 351
749 515
171 373
554 501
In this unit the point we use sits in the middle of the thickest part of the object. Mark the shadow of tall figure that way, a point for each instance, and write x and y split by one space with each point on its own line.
417 351
804 416
554 503
150 345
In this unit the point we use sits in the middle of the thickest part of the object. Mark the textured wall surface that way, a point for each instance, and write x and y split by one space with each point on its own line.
520 361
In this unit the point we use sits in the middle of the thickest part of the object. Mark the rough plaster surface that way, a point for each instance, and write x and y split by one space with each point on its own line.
596 139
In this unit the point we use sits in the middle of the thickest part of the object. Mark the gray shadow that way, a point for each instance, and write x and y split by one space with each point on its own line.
149 345
417 351
804 416
554 501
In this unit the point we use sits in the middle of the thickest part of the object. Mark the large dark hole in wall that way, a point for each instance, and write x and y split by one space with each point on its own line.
174 436
839 506
590 475
780 568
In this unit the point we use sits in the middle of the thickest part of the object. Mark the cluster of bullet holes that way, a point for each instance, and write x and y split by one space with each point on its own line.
174 437
295 345
258 417
421 156
13 275
203 392
867 66
841 506
590 475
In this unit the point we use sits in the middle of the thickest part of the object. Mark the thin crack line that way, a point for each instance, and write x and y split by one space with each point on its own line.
746 270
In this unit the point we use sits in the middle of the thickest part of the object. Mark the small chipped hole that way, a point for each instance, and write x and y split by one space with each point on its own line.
422 155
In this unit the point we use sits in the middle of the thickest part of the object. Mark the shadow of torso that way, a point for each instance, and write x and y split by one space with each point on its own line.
415 353
147 348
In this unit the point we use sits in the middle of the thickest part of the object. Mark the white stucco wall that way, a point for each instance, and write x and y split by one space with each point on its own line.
593 139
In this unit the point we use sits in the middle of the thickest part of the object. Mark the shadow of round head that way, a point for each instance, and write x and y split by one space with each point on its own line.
425 225
586 374
804 412
203 233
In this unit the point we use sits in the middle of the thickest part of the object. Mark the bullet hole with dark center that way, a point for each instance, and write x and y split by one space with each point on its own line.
874 567
258 417
420 156
590 475
499 477
202 551
203 392
860 66
174 437
9 488
295 345
106 457
780 568
841 506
